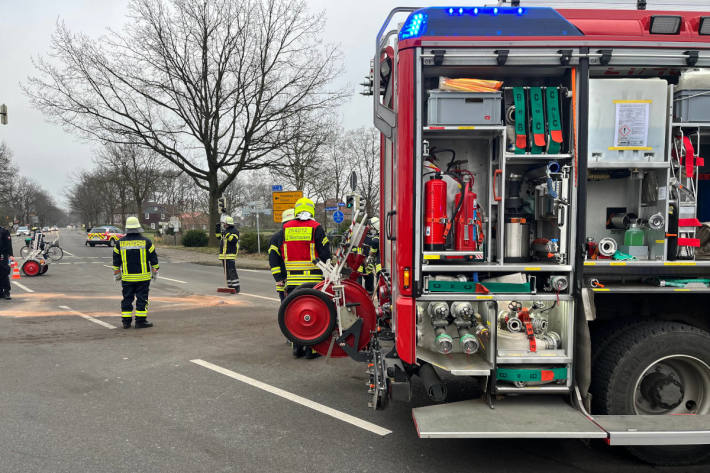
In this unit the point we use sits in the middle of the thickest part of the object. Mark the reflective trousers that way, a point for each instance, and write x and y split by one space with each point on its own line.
139 291
230 270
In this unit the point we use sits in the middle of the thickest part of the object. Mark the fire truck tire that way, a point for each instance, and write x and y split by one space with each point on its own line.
92 244
31 268
608 332
307 317
656 368
111 243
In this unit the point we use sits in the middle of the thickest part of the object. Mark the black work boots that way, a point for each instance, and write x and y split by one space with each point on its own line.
142 322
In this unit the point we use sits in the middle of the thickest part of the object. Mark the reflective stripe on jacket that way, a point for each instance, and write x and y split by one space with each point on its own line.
134 255
303 242
229 243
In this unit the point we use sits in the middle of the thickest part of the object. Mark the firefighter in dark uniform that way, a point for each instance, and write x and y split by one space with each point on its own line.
276 262
228 251
5 255
371 248
135 263
302 241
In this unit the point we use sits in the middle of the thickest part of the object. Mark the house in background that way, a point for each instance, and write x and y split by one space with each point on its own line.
194 221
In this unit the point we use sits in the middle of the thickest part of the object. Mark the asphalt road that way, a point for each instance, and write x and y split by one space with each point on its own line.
78 396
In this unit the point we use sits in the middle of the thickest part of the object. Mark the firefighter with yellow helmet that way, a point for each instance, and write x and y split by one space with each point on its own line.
135 263
300 243
228 251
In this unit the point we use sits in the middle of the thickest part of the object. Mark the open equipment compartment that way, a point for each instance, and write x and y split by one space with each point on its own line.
522 168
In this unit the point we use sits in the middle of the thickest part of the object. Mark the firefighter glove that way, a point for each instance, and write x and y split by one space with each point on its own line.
117 275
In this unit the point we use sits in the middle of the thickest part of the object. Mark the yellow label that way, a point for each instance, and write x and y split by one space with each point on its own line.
298 234
660 241
617 263
630 148
633 101
466 127
679 263
590 263
600 289
481 298
126 244
681 290
532 268
432 256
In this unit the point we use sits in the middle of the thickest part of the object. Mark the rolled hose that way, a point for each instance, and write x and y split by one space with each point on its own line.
435 389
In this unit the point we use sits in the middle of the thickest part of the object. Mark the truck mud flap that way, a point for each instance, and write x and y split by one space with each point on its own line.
656 430
522 417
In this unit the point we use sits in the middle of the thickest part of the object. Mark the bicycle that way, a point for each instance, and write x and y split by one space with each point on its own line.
51 251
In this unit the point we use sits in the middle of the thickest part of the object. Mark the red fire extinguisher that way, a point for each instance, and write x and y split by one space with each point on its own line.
435 214
465 222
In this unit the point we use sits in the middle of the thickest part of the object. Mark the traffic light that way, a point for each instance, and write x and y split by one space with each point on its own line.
352 201
222 205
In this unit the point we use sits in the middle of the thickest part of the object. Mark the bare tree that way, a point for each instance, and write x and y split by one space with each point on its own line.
300 162
363 149
7 183
208 85
137 169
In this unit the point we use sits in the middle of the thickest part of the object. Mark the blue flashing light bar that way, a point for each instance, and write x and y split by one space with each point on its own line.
486 21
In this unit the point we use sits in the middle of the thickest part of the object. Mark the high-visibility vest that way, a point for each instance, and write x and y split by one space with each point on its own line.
299 251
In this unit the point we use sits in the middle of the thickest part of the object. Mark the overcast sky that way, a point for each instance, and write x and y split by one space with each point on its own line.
52 157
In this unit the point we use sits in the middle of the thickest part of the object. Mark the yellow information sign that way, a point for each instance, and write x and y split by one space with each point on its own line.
283 201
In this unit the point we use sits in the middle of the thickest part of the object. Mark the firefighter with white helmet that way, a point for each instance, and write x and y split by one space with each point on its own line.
135 263
228 251
276 261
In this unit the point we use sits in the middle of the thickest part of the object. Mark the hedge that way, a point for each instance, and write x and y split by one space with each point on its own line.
247 242
195 238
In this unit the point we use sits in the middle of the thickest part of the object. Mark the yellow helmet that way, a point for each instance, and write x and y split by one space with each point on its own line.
304 204
132 222
229 220
287 215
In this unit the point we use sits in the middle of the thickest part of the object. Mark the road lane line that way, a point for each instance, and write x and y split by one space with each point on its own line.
174 280
255 270
88 317
66 252
22 286
260 297
329 411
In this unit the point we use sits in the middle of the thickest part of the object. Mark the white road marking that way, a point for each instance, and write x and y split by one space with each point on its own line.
22 286
64 263
88 317
329 411
260 297
107 266
254 270
66 252
96 262
174 280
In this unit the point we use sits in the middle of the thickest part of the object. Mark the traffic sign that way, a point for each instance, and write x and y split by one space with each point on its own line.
341 204
282 201
331 209
277 188
338 216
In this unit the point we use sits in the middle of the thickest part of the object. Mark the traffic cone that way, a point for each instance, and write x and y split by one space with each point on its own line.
15 270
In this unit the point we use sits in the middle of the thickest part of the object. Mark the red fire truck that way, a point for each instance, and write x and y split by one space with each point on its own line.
543 192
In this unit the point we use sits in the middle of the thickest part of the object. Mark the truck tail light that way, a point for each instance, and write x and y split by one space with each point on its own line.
406 278
665 24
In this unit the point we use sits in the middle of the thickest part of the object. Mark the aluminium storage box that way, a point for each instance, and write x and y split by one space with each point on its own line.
464 108
691 106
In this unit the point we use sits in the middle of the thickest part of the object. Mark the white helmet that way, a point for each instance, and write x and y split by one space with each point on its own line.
375 224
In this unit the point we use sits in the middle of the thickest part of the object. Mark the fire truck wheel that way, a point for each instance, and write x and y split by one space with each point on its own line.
92 244
31 268
111 243
307 317
656 368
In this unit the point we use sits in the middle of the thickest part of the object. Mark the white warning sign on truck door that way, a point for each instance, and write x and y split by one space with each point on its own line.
632 117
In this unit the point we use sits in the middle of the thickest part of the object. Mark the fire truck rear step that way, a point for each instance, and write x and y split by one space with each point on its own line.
520 417
656 430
